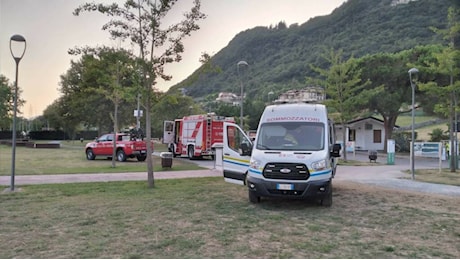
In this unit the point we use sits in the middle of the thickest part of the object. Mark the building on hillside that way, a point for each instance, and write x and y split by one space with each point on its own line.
306 95
400 2
229 98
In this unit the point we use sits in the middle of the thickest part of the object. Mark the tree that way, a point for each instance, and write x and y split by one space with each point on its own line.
99 89
389 85
53 114
77 103
344 88
6 106
6 102
60 115
254 109
141 22
115 69
172 106
447 64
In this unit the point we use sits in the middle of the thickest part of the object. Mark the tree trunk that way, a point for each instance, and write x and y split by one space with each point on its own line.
388 124
148 133
115 131
453 154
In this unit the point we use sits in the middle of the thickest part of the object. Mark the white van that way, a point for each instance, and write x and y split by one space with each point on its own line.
293 155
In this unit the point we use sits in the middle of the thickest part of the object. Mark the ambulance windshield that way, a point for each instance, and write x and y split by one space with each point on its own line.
291 136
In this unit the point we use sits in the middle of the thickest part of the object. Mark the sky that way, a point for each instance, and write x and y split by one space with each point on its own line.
50 30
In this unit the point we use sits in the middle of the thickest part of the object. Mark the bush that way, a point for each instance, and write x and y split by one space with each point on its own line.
437 135
402 141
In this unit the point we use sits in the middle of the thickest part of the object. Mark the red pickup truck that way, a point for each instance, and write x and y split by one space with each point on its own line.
127 147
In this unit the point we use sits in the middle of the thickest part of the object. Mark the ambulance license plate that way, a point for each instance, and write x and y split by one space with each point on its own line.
284 186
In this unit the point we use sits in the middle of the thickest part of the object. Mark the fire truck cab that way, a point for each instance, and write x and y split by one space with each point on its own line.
194 136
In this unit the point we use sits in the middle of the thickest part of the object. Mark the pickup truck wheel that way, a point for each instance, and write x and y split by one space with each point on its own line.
141 158
90 154
253 198
121 156
191 152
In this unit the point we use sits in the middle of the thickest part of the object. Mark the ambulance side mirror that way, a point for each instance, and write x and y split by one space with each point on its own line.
336 150
245 149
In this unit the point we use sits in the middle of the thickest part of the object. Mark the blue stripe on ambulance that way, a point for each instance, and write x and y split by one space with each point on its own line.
236 161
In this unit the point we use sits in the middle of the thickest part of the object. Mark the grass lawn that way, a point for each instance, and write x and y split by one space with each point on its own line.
70 158
422 133
208 218
406 120
434 176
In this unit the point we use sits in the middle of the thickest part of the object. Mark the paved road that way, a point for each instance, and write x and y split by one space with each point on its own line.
104 177
390 176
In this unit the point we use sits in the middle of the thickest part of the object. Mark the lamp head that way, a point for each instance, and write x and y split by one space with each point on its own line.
17 53
242 63
413 71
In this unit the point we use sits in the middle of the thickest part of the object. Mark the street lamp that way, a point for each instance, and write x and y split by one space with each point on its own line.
414 72
19 50
242 93
269 95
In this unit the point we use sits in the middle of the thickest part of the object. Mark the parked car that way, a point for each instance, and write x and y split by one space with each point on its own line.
127 146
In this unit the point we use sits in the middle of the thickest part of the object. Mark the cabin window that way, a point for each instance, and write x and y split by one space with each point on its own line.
377 136
352 135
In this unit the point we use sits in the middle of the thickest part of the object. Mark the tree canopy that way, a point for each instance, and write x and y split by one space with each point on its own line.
140 22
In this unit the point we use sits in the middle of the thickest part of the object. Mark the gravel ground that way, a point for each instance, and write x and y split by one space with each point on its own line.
391 176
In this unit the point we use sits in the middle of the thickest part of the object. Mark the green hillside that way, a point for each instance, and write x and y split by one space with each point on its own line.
279 57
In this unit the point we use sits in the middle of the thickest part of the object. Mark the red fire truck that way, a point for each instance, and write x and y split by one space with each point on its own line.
194 136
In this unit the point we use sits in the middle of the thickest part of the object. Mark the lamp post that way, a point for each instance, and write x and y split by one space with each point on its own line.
412 71
17 54
242 93
269 96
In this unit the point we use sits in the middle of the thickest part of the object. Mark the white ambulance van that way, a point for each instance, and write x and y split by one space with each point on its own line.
293 155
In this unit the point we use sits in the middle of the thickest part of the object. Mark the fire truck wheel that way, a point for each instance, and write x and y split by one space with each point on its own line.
191 152
171 150
141 158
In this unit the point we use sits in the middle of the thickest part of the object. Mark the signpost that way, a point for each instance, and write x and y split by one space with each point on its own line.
390 152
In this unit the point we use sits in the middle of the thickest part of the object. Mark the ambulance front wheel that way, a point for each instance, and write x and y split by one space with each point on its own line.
326 201
253 197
